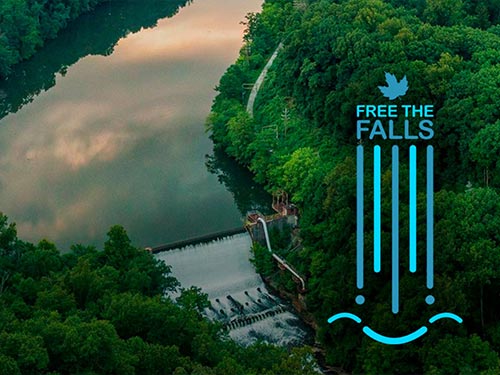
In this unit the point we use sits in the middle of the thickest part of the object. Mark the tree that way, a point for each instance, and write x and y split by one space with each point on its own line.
154 359
301 173
8 366
485 148
40 260
26 24
28 351
299 362
193 299
465 355
6 57
240 133
118 248
444 12
9 252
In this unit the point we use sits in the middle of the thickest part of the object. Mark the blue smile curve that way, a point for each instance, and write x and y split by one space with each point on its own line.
446 315
345 315
394 340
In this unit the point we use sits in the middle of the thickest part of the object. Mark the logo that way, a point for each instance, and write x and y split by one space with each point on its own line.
379 123
394 89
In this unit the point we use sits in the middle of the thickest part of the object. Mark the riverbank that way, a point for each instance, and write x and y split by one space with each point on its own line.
301 138
106 312
299 304
285 229
26 26
238 297
104 125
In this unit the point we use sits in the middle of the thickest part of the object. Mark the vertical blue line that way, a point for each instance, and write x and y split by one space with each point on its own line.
395 229
413 208
377 226
360 217
430 217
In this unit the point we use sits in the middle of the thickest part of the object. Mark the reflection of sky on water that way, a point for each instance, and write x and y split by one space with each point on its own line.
120 139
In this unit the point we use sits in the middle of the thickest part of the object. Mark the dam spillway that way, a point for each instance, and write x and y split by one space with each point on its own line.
238 296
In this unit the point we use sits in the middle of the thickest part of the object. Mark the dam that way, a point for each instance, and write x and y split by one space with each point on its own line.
238 296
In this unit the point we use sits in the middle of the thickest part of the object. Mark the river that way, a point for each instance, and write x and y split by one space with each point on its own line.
105 125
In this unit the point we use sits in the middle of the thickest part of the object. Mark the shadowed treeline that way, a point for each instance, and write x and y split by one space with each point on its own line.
248 195
95 33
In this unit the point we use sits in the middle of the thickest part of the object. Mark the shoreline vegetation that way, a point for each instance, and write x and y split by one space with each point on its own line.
106 311
302 139
26 25
94 32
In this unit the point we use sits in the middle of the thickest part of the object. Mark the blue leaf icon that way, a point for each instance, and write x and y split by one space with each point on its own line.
394 89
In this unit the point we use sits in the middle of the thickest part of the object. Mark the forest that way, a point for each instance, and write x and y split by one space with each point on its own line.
108 311
302 139
26 24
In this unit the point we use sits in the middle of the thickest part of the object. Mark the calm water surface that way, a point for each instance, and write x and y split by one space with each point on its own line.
105 126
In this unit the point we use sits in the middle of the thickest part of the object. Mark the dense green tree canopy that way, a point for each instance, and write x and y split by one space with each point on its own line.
304 136
25 24
106 312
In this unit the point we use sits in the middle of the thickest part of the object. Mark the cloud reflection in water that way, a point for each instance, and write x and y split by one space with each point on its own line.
120 139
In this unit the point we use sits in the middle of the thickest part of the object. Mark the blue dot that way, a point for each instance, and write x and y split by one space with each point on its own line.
360 300
430 300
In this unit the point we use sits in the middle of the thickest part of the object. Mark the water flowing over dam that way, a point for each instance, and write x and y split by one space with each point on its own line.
238 296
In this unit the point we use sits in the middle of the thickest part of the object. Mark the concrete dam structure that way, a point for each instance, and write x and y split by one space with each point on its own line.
238 296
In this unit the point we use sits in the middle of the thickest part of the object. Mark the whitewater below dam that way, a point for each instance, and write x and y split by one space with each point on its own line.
238 296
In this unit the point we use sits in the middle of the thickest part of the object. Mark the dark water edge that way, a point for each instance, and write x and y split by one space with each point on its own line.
93 33
105 126
239 181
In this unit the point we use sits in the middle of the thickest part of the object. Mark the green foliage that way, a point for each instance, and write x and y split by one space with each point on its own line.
280 238
27 350
334 56
444 12
8 366
300 362
240 133
25 24
468 355
263 260
300 173
485 148
106 312
193 299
